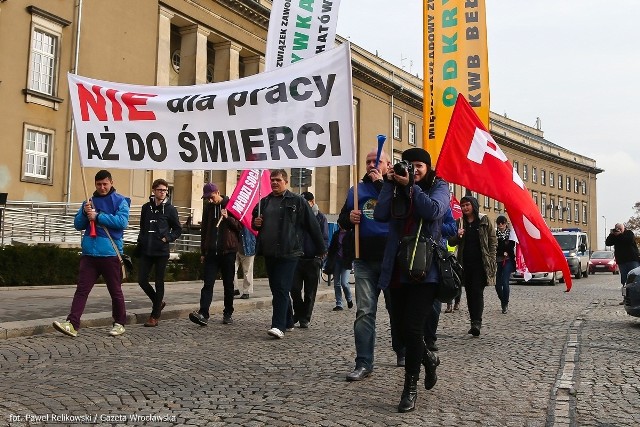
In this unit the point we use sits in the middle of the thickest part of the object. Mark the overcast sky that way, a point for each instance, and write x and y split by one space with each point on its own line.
575 64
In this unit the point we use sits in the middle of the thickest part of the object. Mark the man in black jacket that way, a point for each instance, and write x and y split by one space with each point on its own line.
625 250
281 218
219 241
159 226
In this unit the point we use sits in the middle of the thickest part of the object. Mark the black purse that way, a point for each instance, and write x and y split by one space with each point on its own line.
415 254
451 274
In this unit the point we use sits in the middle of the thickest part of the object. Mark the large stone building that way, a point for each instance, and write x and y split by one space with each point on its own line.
185 42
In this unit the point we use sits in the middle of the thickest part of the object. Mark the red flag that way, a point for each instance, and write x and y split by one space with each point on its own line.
454 204
470 157
252 184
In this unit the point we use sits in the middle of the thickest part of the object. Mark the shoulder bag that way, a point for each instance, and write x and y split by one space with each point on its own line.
451 274
415 255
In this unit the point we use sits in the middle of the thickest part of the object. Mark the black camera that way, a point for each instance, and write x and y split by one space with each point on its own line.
403 168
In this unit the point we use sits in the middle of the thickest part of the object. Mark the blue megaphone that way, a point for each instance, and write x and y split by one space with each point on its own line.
381 140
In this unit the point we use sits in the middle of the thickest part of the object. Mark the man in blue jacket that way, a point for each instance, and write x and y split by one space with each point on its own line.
108 213
367 267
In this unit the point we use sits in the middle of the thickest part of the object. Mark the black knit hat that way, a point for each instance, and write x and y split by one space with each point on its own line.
417 155
308 195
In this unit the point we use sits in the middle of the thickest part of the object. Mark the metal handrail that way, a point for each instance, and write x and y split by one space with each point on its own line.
33 222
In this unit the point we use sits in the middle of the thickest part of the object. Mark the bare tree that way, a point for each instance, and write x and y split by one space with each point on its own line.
634 222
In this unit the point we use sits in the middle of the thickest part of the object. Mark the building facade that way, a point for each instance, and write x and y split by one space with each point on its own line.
186 42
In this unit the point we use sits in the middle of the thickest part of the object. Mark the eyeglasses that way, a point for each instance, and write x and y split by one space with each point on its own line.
163 190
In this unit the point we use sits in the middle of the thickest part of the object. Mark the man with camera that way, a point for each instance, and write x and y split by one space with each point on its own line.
372 238
625 250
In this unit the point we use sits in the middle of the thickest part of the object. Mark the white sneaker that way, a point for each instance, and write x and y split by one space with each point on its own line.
275 332
66 328
117 329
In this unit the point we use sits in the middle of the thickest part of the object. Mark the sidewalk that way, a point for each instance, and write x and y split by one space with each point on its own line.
30 310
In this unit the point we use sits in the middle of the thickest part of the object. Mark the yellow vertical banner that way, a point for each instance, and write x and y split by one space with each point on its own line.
455 61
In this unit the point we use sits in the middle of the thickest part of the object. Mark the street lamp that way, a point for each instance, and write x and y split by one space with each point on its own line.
605 229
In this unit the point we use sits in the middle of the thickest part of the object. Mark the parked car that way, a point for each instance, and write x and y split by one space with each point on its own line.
603 261
546 278
631 293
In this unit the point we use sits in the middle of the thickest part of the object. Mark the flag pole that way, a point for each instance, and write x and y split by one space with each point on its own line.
355 206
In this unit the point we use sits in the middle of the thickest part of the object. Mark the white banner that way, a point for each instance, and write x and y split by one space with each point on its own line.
299 29
299 116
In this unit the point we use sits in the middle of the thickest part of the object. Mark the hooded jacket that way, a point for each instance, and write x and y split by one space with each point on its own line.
488 241
218 238
157 222
113 213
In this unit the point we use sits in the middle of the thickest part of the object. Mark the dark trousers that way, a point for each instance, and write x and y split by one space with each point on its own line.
475 279
410 304
433 318
226 265
144 268
280 272
90 268
306 277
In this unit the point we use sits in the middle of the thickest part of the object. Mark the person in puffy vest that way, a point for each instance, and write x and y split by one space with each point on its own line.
159 226
103 219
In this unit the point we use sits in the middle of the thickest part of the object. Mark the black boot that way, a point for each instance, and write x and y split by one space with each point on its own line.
430 362
475 328
409 394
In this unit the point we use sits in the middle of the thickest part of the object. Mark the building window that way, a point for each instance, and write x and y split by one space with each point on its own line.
44 58
568 210
535 197
560 209
496 205
525 172
209 72
412 133
543 177
584 213
584 186
568 184
38 149
515 167
560 182
534 174
397 127
550 179
575 185
576 212
552 208
487 202
175 61
543 205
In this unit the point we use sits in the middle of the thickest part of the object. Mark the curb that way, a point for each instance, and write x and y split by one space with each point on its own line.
29 328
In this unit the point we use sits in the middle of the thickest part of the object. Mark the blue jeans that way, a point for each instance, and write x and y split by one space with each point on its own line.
503 273
280 272
341 282
226 264
364 327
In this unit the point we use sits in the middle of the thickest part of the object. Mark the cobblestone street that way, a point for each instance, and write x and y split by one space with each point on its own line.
555 359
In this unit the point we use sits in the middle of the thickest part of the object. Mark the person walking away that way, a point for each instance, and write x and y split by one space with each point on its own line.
244 257
505 261
281 218
307 274
338 265
108 209
414 203
367 267
625 250
219 240
159 226
477 244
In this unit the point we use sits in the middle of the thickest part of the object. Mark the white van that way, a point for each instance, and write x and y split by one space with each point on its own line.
575 246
